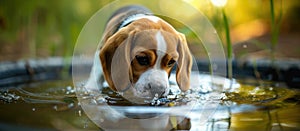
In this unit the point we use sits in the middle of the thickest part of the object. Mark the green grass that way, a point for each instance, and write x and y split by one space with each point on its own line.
229 45
275 26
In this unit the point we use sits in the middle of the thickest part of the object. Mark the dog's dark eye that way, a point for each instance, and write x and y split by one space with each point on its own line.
143 60
171 63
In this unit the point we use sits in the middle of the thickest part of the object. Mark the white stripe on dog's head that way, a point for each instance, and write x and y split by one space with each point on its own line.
161 49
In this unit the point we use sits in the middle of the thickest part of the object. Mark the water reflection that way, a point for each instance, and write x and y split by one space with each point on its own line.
54 105
211 108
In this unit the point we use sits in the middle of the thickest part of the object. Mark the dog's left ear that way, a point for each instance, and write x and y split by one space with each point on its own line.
115 54
184 63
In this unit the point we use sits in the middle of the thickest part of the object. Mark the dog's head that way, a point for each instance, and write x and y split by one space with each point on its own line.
141 55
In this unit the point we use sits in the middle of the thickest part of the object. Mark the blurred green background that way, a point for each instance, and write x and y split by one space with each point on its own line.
46 28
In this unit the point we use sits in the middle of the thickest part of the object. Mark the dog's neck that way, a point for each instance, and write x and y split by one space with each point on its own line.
130 19
135 17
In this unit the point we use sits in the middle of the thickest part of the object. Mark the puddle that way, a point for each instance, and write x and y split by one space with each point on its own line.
42 106
54 105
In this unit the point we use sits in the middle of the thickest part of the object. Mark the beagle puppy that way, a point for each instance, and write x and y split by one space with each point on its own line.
138 53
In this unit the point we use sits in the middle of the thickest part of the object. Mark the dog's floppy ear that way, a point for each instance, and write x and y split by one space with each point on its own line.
184 64
115 54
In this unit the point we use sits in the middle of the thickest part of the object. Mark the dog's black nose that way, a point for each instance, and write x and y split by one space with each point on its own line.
157 89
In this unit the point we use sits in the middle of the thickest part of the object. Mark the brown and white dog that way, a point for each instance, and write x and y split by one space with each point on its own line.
138 53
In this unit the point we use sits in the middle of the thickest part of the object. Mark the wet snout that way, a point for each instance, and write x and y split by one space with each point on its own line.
157 89
152 83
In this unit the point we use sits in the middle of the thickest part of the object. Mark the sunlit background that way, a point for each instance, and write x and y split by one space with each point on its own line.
43 28
40 29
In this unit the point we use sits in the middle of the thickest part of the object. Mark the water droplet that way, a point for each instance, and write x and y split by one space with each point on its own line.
69 88
71 105
93 102
215 32
101 100
79 112
85 125
171 96
158 102
120 93
55 107
152 103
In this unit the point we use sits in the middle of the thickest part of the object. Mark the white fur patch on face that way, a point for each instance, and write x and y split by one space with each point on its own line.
155 80
161 49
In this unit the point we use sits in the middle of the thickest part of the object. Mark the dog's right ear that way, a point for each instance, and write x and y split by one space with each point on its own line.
185 63
114 54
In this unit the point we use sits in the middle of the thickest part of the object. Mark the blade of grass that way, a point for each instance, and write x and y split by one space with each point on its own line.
275 26
229 45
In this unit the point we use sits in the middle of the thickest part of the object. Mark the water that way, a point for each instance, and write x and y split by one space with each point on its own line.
41 106
54 105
